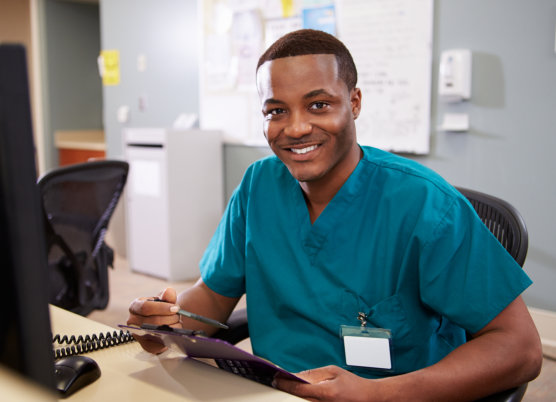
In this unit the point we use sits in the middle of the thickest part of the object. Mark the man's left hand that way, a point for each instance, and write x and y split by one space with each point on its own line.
330 383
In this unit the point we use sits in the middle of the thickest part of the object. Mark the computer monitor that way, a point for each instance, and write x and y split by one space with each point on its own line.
25 337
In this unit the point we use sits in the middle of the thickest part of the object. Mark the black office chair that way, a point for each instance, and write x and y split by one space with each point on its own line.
78 202
501 218
508 226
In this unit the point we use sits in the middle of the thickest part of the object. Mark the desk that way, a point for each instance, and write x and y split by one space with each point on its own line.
131 374
15 387
79 146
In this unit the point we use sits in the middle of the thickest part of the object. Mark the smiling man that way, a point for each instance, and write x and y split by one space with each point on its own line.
327 232
309 122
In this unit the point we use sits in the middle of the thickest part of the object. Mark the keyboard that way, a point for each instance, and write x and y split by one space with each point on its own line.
245 369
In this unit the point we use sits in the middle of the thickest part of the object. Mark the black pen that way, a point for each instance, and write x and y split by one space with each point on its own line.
196 316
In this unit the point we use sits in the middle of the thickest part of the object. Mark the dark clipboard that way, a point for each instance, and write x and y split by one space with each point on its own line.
227 356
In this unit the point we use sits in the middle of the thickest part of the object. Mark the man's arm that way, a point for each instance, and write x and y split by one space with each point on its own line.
199 299
504 354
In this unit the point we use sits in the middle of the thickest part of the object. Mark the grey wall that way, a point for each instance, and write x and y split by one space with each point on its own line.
72 86
509 150
165 32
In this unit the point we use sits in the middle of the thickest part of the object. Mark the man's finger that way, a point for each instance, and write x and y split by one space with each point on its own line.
168 295
146 307
170 320
151 346
293 387
317 375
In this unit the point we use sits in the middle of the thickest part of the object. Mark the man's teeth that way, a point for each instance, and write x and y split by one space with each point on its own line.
304 150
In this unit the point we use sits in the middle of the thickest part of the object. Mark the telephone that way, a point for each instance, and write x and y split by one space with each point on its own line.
75 345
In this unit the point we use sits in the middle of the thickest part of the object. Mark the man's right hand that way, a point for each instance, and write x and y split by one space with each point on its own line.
145 310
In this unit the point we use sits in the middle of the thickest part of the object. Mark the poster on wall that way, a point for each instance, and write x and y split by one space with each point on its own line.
391 42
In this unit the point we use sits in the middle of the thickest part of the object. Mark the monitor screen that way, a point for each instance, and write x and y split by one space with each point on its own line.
25 337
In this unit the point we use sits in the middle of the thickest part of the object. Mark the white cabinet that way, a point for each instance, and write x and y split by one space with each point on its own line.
174 199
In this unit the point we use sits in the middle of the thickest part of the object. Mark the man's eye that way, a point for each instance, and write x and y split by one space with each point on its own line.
274 112
318 105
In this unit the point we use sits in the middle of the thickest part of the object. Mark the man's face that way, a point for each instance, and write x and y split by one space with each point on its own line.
309 115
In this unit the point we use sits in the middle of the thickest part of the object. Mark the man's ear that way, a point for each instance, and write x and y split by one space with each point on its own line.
355 99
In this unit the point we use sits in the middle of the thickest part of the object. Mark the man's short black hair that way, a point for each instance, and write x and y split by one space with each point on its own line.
310 41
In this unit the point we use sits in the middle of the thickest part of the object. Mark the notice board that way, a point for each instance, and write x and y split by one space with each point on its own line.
390 40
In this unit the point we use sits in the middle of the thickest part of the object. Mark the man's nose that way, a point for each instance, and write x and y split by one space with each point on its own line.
298 126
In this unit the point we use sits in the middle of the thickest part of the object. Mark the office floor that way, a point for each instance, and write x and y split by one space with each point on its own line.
126 285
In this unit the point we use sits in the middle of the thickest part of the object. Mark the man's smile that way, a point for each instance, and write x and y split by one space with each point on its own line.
301 151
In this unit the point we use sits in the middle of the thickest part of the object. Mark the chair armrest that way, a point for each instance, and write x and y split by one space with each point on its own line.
510 395
238 330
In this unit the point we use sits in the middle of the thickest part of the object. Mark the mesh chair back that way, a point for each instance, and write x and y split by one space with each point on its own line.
507 225
503 220
78 203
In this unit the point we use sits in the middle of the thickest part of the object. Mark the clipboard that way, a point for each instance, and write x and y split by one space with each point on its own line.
227 356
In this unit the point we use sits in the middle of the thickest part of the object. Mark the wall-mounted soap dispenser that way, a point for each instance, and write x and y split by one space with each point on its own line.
454 78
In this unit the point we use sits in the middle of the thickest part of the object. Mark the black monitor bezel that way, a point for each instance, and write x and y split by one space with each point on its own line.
25 338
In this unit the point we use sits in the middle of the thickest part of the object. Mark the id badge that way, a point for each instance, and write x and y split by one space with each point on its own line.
367 347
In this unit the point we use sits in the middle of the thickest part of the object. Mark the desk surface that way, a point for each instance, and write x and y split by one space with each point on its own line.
131 374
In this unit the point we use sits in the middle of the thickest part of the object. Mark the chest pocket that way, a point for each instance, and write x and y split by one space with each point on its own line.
390 314
419 339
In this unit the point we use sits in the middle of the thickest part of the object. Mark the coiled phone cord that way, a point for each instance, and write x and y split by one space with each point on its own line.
88 343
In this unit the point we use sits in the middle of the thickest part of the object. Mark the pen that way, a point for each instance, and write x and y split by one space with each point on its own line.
197 317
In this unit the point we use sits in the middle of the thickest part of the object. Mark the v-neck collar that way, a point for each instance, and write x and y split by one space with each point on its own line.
314 235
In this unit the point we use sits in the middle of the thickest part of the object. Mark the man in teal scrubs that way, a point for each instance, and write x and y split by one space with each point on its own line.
327 229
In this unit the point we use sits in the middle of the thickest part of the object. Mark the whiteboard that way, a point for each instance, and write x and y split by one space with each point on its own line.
391 43
390 40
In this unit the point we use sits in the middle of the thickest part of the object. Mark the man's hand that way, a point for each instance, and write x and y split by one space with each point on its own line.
199 299
145 310
330 383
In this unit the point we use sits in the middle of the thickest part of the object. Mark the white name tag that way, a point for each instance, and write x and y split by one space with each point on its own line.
367 347
368 352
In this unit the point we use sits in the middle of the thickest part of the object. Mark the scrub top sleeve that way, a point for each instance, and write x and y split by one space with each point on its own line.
223 263
465 273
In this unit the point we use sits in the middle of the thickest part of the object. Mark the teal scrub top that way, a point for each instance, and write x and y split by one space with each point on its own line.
396 242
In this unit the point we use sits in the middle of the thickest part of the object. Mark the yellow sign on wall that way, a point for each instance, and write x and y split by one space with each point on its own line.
287 8
109 64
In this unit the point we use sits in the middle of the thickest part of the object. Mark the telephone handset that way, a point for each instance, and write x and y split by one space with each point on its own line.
88 343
